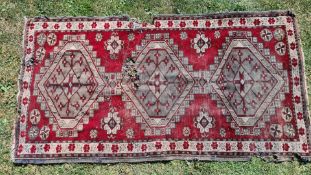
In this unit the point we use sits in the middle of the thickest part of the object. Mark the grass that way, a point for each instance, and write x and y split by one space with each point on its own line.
11 25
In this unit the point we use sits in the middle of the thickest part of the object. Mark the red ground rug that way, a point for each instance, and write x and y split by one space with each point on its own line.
208 87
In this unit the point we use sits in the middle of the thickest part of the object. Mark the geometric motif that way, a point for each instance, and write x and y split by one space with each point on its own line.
33 132
287 114
41 39
266 35
111 123
44 132
289 130
280 48
98 37
93 134
200 43
204 121
114 45
40 53
70 85
276 130
35 116
246 82
164 83
51 39
279 34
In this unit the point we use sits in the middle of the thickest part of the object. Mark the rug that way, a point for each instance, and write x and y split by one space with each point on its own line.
224 86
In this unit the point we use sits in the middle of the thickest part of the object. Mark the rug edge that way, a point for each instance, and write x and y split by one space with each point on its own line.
227 14
304 86
166 16
18 96
209 158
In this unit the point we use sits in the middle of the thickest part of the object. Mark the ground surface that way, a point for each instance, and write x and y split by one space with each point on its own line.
11 25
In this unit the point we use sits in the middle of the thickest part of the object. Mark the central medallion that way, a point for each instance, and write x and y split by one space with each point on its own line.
70 84
164 83
161 82
246 82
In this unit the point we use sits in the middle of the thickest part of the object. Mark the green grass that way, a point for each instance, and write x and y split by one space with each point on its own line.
11 27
